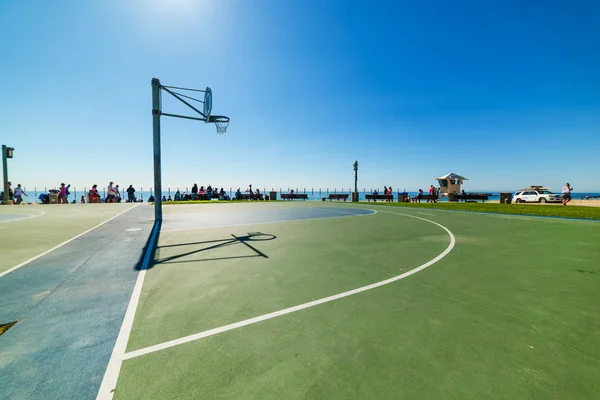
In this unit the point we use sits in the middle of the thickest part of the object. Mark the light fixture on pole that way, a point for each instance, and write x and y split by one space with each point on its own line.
355 194
7 152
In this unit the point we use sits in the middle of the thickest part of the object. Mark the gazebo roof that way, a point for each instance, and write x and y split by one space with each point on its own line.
452 175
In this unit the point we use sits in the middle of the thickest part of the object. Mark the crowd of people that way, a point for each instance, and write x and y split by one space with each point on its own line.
113 194
387 191
201 193
432 198
62 193
433 194
209 193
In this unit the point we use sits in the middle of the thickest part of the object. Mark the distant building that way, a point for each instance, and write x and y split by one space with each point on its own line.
450 183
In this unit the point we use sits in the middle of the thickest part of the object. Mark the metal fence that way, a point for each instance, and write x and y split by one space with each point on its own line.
142 195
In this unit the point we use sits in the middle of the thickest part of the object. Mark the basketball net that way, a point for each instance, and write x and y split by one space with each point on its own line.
220 122
222 127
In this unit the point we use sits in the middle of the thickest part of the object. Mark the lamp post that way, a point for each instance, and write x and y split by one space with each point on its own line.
7 152
355 194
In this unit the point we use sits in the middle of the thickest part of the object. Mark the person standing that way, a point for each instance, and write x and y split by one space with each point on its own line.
110 196
117 194
62 194
194 191
566 193
431 194
131 194
10 192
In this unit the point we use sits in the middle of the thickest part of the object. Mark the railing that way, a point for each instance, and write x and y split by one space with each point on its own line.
143 195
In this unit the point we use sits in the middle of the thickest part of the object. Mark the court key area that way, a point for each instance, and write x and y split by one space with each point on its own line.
277 300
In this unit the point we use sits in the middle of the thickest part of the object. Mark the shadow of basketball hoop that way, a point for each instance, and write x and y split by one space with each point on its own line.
208 245
256 236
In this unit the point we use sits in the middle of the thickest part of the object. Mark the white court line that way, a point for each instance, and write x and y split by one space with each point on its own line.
333 208
109 382
21 219
215 331
111 375
373 212
62 244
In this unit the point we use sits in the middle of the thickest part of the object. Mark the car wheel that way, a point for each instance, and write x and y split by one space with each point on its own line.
518 201
543 200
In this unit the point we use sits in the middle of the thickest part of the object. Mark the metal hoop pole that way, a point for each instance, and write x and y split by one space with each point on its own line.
156 110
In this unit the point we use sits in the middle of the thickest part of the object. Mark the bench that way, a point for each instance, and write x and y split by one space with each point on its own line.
285 196
337 197
375 197
246 196
205 197
428 197
467 197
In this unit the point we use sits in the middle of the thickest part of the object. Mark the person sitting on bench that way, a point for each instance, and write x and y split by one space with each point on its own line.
93 194
223 195
418 197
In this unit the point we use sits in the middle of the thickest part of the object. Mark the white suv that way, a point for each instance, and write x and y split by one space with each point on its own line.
536 196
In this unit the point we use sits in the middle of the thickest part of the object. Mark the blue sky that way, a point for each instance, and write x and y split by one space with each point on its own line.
506 93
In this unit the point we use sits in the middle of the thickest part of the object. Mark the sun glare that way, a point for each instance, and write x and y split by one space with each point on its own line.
174 8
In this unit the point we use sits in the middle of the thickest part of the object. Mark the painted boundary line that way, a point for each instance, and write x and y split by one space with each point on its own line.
111 375
22 219
350 214
215 331
373 212
493 213
62 244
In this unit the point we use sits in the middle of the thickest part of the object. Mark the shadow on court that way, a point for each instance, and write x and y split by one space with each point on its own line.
140 264
246 241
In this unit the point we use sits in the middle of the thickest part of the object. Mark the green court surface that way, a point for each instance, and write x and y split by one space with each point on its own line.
29 230
509 311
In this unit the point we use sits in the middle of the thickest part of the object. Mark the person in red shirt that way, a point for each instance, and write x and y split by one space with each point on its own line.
432 193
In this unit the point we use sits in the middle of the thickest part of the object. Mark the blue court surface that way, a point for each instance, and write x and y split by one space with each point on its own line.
220 218
70 303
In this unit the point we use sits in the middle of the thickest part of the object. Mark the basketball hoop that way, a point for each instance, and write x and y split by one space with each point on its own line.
221 122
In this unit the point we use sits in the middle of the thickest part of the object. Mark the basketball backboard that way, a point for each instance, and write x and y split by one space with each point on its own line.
207 103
